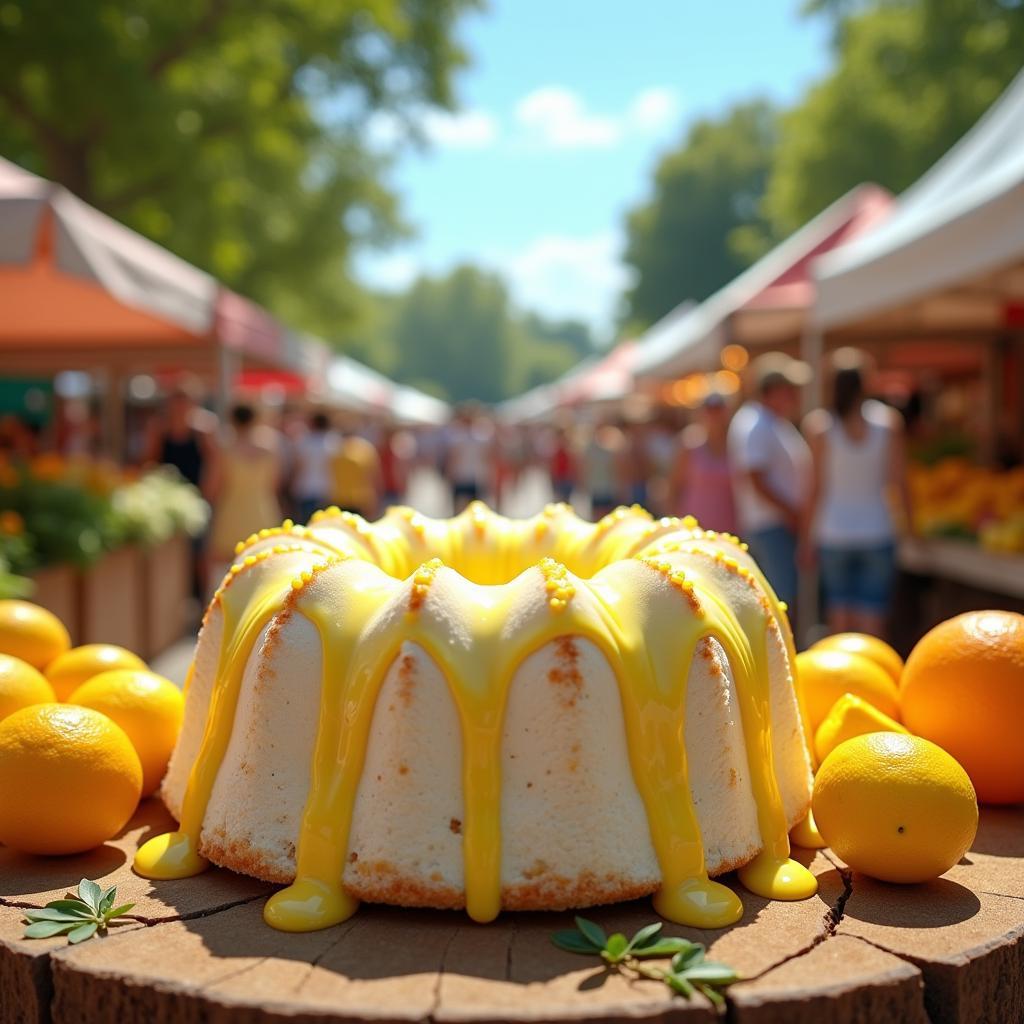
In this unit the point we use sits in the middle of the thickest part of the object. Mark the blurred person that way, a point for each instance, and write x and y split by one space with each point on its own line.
702 475
469 460
180 438
397 451
858 453
356 474
603 468
771 465
638 464
241 485
311 455
562 466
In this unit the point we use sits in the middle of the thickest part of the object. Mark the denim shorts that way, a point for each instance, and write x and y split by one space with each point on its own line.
858 578
774 550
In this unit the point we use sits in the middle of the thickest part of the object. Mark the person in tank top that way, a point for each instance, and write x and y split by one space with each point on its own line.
859 464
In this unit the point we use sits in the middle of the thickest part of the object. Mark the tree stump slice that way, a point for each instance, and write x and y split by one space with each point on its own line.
197 952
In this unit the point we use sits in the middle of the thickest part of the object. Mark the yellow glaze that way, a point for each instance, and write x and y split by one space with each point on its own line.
805 833
592 586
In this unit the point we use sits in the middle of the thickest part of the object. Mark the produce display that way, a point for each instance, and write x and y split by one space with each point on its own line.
896 756
955 498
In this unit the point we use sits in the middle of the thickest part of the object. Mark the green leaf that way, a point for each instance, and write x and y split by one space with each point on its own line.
688 957
45 929
615 948
76 907
645 936
665 946
712 973
593 932
83 932
119 911
90 893
573 942
48 914
712 994
678 983
107 899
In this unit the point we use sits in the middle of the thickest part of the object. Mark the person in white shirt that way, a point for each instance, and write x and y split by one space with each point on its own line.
313 451
771 462
470 457
858 452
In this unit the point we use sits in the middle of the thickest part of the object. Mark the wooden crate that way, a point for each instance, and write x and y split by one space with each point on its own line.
56 588
112 600
167 591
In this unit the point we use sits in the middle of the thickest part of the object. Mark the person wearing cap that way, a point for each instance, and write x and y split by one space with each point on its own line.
771 469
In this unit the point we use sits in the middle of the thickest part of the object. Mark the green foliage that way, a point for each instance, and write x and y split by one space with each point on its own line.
687 972
231 132
910 79
694 234
459 337
79 916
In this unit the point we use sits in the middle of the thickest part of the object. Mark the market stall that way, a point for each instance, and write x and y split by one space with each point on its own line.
938 291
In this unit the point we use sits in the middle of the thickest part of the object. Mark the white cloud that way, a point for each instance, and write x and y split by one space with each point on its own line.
565 276
390 271
654 109
467 129
558 118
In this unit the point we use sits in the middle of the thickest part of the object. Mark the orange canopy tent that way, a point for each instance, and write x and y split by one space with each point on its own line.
79 291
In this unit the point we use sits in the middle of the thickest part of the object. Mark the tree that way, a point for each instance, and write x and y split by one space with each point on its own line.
911 77
681 242
459 337
231 131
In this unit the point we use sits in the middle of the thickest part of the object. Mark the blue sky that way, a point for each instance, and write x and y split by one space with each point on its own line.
562 116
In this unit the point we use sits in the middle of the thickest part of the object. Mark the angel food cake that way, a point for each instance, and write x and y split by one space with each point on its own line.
491 714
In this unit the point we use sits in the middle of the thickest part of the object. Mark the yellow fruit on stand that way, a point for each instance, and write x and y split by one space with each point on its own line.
21 685
963 688
71 779
895 807
870 647
148 707
67 672
823 676
31 633
851 716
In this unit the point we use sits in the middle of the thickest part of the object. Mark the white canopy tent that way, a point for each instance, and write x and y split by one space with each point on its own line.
951 256
357 388
689 338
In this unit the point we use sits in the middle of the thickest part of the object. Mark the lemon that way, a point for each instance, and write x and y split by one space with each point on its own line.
895 807
31 633
867 646
21 685
67 672
71 779
823 676
851 716
148 707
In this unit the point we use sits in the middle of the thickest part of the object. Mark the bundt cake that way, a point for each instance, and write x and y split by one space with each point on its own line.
490 713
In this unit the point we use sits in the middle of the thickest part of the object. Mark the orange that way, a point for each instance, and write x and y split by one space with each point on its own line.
71 779
21 685
67 672
895 807
148 707
963 688
823 676
31 633
864 644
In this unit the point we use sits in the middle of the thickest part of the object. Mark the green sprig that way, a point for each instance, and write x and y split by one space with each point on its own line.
688 970
78 917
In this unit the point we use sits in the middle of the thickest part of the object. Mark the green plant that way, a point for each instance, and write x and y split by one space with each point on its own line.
78 917
688 970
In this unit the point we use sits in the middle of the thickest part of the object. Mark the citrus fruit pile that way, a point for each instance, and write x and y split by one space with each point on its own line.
904 752
85 732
